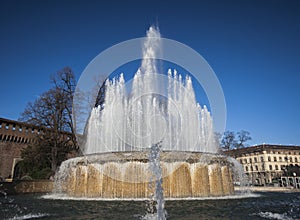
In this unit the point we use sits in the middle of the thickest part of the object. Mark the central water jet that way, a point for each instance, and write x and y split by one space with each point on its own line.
159 107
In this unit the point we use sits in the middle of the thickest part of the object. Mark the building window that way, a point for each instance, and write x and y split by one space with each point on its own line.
250 160
286 159
275 159
255 159
262 159
245 160
280 158
270 167
291 159
269 158
276 167
256 167
251 168
296 160
246 169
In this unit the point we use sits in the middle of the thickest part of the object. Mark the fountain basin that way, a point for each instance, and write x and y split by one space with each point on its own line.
127 175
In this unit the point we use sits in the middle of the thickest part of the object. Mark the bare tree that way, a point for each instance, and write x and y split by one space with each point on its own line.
97 93
52 112
231 140
228 140
64 81
242 138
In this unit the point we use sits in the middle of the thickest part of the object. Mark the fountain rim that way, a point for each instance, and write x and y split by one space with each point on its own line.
143 156
147 150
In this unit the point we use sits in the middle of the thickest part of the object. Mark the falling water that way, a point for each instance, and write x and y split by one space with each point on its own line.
135 121
240 177
157 202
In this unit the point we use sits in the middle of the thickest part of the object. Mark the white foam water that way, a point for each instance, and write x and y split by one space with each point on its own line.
272 215
54 196
29 216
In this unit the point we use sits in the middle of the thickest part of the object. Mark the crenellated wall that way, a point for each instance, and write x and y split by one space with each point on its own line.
14 136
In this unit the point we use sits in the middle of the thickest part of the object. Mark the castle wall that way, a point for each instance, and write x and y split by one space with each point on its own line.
14 136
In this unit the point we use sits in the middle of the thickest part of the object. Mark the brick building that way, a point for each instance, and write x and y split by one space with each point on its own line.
14 136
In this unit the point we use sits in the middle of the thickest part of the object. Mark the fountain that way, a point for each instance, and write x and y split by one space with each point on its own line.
142 144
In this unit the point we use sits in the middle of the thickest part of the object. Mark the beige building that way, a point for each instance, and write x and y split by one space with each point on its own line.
266 164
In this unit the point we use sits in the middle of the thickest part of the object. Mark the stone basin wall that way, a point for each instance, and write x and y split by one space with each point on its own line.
127 175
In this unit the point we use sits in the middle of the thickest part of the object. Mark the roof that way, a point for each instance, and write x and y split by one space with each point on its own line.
260 148
9 121
28 125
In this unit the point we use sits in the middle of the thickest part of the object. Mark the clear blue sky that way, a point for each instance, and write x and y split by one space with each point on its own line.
253 47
